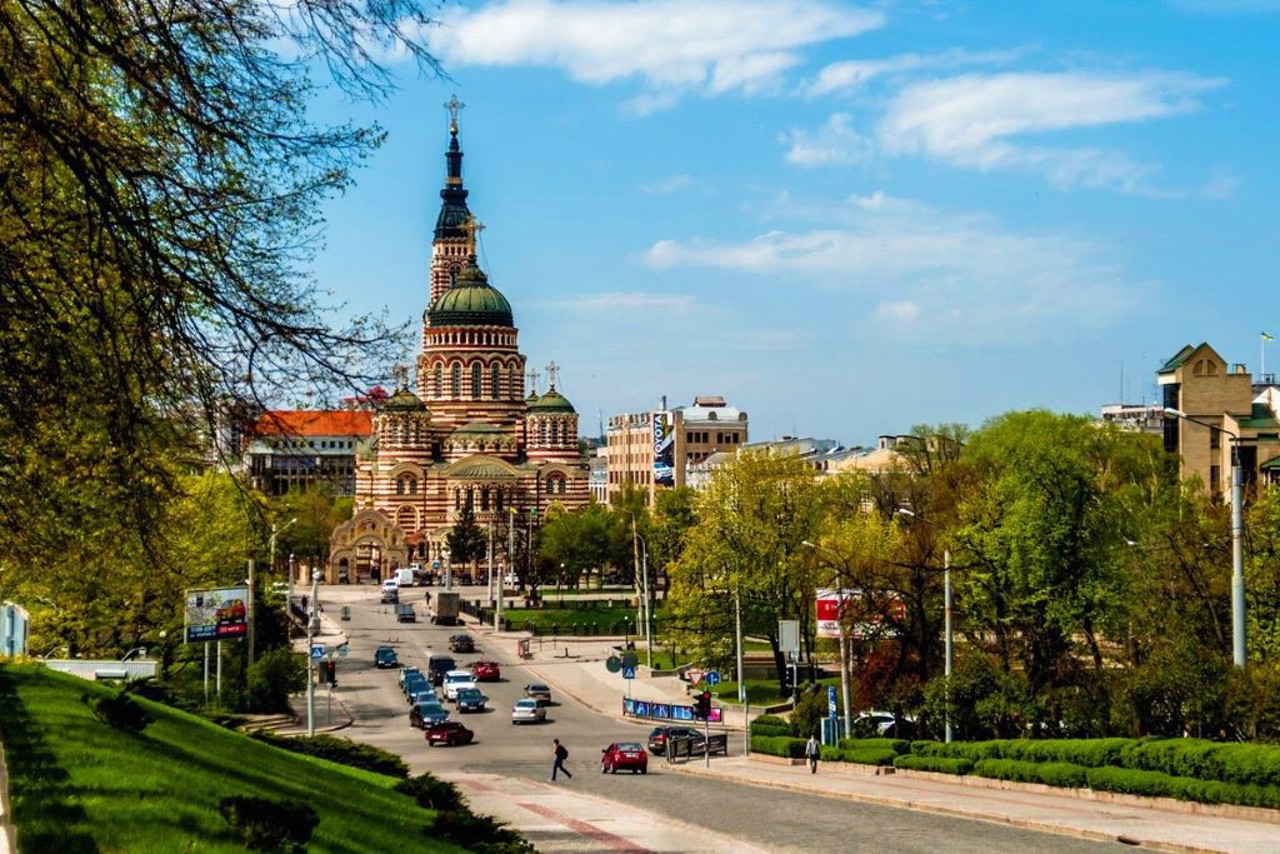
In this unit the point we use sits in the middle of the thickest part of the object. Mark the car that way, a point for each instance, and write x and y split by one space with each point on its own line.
417 683
455 679
528 711
232 612
407 673
462 643
438 665
627 755
390 597
449 733
425 712
876 723
486 671
422 692
385 657
660 735
405 613
470 700
538 691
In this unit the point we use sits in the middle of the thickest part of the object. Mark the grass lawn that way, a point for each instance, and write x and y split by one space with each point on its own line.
602 618
77 785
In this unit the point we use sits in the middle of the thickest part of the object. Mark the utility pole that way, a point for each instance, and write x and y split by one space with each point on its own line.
313 626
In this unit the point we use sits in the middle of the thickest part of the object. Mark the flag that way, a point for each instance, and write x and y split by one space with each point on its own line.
1266 337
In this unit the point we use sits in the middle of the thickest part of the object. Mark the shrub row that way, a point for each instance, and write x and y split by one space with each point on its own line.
1243 764
869 756
343 751
937 764
1156 784
1062 774
778 745
897 745
771 726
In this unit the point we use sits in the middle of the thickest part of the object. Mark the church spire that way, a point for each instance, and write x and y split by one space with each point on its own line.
453 210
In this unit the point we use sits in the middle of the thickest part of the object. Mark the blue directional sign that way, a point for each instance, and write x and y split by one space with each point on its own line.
343 650
711 677
831 701
628 673
317 651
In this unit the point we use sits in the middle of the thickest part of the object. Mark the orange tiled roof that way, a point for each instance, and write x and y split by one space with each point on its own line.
325 422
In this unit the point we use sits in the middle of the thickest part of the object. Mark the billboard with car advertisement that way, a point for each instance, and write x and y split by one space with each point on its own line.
863 619
664 450
217 614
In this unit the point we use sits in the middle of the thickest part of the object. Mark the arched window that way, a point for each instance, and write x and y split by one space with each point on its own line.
439 391
400 486
484 498
456 380
413 486
501 496
542 432
555 433
475 381
494 373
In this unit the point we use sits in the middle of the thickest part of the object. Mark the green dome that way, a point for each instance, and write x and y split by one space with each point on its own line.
404 401
470 301
552 401
479 428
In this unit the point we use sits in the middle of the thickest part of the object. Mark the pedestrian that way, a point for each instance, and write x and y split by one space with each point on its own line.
560 754
811 751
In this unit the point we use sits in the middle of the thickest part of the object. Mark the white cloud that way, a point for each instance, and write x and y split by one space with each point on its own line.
672 46
835 143
971 121
854 74
634 301
968 277
668 186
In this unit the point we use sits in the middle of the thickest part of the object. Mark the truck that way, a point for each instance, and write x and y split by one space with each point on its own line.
444 610
404 577
405 613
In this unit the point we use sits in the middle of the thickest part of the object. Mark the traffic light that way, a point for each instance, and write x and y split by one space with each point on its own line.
329 672
702 706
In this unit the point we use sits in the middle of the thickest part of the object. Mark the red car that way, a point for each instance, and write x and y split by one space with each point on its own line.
448 733
627 755
486 671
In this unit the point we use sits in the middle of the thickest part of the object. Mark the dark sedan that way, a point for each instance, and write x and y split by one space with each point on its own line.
660 735
426 712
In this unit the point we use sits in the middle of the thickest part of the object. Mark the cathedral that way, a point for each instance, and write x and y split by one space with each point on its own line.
469 432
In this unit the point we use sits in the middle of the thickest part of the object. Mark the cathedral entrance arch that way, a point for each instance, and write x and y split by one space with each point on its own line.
367 546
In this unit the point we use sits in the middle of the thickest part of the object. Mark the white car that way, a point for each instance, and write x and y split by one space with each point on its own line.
527 712
455 679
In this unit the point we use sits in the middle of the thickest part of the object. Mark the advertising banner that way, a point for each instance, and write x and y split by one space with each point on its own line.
860 621
218 614
664 450
665 711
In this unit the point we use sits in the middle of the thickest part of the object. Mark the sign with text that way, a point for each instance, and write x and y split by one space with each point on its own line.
863 619
665 711
217 614
664 450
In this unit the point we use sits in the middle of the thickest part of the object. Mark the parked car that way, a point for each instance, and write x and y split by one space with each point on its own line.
627 755
471 700
875 723
486 671
426 712
538 691
528 712
462 643
384 657
455 679
449 733
659 735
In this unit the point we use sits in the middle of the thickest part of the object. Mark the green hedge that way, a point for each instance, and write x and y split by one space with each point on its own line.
897 745
1154 784
771 726
870 756
1246 764
778 745
937 764
1062 774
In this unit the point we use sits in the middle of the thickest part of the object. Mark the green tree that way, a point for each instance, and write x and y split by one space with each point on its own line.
467 541
579 541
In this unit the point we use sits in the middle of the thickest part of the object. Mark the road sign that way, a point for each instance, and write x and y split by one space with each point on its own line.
317 651
630 660
628 673
694 675
435 564
612 664
712 677
831 702
343 650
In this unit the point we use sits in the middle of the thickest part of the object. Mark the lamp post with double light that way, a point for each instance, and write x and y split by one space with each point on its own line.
1237 536
846 697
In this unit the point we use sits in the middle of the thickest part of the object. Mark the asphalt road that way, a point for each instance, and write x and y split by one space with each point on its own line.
771 819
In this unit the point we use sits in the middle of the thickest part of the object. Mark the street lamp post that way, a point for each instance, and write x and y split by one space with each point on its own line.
250 615
846 691
313 626
448 569
948 641
645 612
1237 538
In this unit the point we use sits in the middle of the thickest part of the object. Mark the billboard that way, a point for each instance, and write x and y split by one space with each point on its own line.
217 614
862 622
664 450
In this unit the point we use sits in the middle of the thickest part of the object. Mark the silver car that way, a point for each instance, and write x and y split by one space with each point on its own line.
527 712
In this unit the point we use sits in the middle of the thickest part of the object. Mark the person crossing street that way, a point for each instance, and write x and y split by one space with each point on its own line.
560 754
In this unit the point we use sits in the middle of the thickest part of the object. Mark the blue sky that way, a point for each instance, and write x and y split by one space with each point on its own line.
846 218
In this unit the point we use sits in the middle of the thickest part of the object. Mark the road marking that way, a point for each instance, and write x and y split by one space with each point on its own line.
604 837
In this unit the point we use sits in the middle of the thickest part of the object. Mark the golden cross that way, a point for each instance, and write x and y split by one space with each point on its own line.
454 106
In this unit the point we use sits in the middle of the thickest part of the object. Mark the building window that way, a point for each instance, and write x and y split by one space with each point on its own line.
494 373
456 381
484 498
439 390
476 391
1215 438
1215 479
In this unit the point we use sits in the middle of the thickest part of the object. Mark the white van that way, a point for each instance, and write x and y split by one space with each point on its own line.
404 577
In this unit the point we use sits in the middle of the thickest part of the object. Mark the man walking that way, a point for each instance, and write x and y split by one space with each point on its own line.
811 751
560 754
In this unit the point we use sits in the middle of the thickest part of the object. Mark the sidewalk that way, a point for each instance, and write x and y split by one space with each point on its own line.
576 667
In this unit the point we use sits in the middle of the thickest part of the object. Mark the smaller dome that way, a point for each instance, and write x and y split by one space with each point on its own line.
478 428
552 402
404 401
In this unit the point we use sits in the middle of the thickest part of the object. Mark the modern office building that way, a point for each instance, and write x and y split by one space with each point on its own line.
297 449
1222 416
652 450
